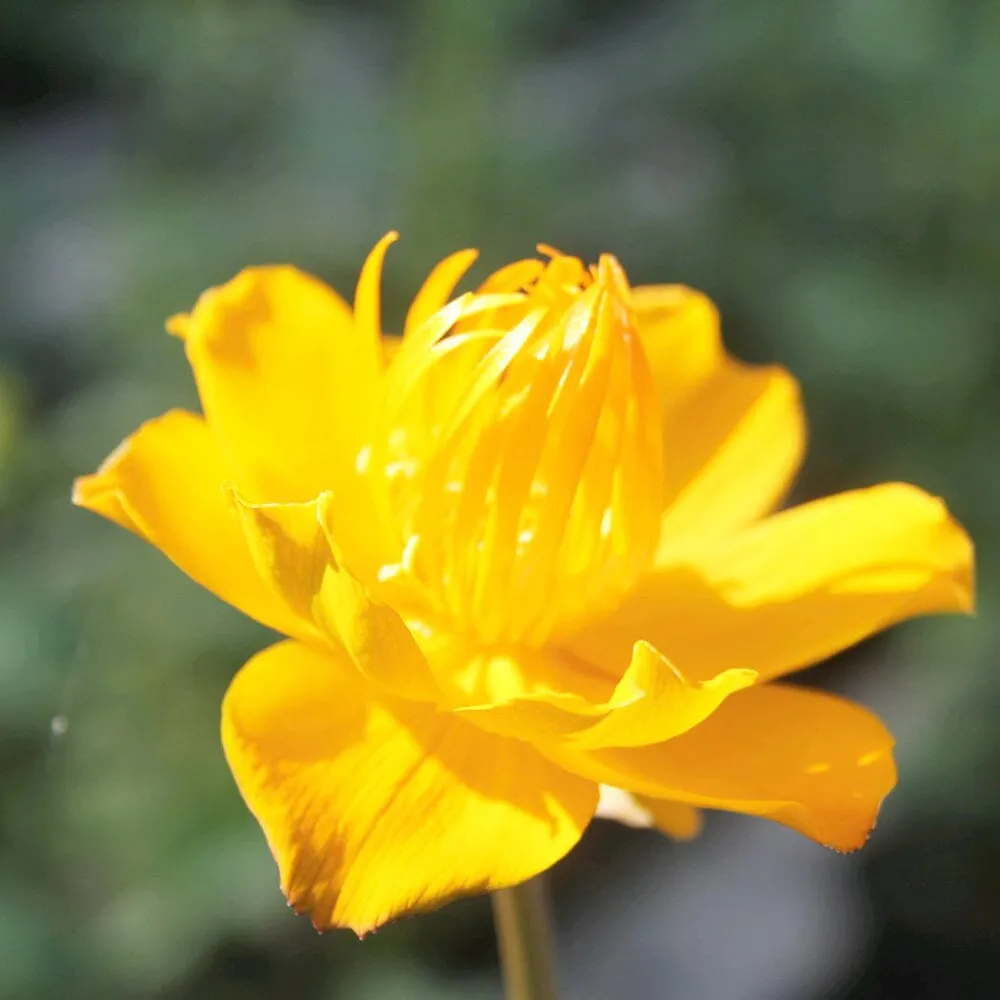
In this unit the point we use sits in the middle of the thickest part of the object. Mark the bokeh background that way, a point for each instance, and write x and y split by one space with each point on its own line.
828 171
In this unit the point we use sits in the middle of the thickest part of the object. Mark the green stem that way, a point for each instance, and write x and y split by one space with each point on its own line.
524 934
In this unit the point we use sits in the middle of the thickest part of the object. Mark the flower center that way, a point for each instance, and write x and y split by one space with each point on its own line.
521 454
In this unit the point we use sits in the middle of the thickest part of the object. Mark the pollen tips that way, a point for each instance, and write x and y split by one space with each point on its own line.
611 275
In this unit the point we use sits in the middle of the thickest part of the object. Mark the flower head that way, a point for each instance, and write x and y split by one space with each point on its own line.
527 562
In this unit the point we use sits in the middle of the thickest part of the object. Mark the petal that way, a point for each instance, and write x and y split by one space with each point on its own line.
733 434
437 289
374 808
679 328
289 549
799 586
676 819
368 294
817 763
293 550
656 702
165 483
287 383
652 702
731 452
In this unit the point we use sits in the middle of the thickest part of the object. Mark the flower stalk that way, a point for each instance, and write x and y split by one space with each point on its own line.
525 939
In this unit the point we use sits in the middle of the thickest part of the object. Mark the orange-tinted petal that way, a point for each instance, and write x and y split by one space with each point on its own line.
812 761
288 382
798 586
677 820
374 808
165 483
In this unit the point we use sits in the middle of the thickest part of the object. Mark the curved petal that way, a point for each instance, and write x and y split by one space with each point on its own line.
679 329
436 290
733 434
287 382
165 483
368 295
731 452
375 808
656 702
798 586
294 552
677 820
815 762
544 695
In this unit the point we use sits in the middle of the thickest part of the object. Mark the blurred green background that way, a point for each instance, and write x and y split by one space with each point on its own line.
828 171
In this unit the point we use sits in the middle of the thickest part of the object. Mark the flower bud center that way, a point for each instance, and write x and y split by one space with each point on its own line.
524 463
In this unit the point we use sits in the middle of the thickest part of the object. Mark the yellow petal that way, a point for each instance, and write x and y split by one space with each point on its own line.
542 695
288 384
679 328
375 808
289 548
293 550
165 483
368 295
733 434
532 694
798 586
436 290
731 451
677 820
815 762
654 701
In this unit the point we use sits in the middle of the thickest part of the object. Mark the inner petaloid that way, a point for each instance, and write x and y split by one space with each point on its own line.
519 452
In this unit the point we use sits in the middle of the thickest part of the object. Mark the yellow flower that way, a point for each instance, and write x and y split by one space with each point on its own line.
522 555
